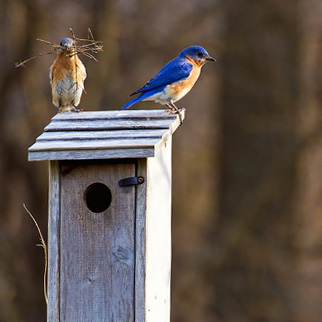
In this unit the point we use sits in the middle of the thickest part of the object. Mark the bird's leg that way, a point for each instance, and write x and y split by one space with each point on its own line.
171 110
177 110
75 109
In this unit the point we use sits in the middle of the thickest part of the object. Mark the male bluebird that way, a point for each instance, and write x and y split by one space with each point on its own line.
174 80
67 75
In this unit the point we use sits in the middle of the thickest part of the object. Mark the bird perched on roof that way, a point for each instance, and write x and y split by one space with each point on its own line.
67 75
174 80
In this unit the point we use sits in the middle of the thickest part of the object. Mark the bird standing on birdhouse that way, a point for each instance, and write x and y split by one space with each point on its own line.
174 80
67 75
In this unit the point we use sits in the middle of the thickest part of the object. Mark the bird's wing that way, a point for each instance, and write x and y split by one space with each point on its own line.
82 69
51 74
175 70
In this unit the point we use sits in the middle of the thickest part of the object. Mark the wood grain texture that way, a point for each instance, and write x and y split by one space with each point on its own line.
91 144
140 242
75 125
92 154
114 114
96 135
106 133
97 249
53 243
158 236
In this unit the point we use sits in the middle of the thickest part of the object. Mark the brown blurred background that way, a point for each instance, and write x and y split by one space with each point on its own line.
247 163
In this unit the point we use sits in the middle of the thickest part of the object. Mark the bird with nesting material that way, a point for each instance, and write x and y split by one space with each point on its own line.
174 80
67 75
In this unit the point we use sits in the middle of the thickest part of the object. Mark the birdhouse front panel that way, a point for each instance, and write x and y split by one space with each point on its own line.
97 246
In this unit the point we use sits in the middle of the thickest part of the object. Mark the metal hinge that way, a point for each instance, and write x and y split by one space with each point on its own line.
131 181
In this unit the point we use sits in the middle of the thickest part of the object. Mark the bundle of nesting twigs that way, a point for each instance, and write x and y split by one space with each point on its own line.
89 47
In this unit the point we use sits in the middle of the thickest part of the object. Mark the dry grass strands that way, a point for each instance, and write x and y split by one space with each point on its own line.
88 47
43 245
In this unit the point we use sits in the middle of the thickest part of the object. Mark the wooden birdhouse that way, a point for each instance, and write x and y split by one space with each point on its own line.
109 235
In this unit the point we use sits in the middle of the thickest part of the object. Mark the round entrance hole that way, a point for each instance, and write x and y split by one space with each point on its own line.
98 197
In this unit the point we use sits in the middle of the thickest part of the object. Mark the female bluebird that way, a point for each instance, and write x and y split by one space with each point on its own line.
67 75
174 80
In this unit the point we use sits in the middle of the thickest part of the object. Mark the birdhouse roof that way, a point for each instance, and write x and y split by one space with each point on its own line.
104 135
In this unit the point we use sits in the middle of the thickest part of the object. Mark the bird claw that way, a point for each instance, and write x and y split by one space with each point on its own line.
173 111
75 109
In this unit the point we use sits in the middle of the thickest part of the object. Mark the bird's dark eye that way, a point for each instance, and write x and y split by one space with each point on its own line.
200 54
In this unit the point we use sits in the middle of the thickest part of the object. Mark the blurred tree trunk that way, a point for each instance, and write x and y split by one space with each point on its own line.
21 267
309 194
255 244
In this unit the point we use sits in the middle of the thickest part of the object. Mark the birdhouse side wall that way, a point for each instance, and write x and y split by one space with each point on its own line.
53 284
158 235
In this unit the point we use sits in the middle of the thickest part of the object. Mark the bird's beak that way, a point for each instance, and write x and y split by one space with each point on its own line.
211 58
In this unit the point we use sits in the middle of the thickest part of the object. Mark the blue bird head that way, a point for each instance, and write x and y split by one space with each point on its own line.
67 43
197 53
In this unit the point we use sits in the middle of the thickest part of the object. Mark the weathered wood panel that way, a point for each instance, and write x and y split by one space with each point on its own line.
91 154
97 249
158 236
77 125
53 243
140 233
105 133
115 114
94 144
95 135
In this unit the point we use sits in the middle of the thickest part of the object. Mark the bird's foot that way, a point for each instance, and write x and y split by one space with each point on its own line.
75 109
173 111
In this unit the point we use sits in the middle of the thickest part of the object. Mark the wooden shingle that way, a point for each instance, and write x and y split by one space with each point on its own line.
104 135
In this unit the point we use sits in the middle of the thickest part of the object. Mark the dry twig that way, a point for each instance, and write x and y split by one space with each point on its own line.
89 47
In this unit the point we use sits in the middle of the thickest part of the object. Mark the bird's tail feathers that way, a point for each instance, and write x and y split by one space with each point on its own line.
134 93
142 97
132 102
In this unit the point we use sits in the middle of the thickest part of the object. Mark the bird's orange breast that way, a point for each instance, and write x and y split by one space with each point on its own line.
179 89
71 67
